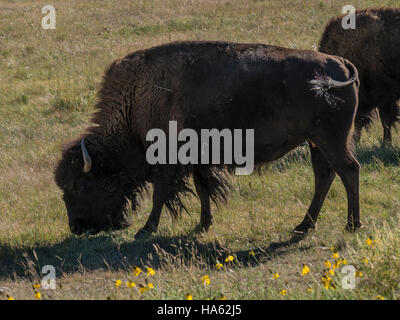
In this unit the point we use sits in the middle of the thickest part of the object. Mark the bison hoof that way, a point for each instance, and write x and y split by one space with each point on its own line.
353 227
142 234
303 228
202 228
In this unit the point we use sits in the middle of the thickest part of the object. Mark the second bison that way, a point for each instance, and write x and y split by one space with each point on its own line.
374 48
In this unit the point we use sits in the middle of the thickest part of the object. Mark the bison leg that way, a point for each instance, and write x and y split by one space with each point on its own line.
134 199
154 218
323 175
364 118
389 114
206 216
348 170
387 136
358 126
347 167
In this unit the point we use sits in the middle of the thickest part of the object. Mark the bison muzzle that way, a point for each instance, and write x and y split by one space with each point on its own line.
286 96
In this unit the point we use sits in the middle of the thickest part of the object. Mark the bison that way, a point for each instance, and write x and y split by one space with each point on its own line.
288 97
374 48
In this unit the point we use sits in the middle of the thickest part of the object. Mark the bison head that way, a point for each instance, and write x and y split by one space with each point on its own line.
96 192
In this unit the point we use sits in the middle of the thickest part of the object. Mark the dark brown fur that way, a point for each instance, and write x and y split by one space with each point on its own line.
374 48
204 85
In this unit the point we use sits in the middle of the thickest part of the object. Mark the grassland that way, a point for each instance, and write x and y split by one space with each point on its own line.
48 83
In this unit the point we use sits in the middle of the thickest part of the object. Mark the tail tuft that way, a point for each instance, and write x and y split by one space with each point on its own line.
323 85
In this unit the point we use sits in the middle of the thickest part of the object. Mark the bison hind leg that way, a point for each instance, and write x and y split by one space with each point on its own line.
323 177
347 167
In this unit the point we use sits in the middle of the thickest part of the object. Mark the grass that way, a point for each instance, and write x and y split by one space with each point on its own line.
48 83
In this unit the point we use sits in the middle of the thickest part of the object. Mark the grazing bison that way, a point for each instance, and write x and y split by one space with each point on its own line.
286 96
374 48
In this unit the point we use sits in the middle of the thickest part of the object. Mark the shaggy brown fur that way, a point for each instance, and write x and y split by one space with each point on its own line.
287 96
374 48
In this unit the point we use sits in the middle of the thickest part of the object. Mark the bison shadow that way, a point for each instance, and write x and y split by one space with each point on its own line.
101 253
77 254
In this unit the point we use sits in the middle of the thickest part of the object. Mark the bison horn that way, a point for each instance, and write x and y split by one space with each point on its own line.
86 157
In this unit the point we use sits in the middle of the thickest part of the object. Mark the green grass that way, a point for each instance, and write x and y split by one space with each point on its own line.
48 84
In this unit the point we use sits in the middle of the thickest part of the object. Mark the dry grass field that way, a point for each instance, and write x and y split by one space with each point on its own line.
48 84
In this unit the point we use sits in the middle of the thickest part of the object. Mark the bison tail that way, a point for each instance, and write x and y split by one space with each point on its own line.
322 86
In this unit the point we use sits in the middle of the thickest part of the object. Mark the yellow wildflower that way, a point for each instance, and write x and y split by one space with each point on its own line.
370 242
130 284
305 270
38 295
309 289
150 272
10 298
219 266
143 289
229 259
359 274
379 297
327 264
283 292
365 260
118 283
36 286
150 285
336 264
326 281
205 279
330 272
251 253
344 261
189 297
137 271
335 255
276 275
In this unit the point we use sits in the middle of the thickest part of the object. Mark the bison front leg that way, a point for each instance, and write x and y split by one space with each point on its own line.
154 218
364 116
206 216
323 175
